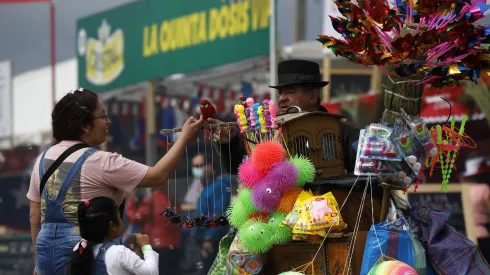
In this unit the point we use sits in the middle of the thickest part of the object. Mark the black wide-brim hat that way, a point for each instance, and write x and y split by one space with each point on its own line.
297 72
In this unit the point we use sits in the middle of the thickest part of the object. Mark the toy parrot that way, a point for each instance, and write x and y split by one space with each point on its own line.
243 100
207 110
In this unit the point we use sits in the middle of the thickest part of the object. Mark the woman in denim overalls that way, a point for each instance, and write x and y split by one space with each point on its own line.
80 118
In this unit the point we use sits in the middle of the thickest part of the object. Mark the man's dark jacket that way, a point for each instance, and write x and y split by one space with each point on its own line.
236 148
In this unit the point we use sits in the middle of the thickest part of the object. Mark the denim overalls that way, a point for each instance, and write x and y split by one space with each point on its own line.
98 265
58 236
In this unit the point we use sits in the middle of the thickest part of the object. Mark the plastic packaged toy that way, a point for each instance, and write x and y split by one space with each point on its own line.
376 144
368 166
312 217
401 174
422 133
413 152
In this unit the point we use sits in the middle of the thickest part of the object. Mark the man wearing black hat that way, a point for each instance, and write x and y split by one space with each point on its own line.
300 84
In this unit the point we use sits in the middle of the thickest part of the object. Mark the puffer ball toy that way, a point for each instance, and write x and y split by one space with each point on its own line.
245 197
306 170
288 200
260 216
284 176
280 234
237 214
266 154
255 236
392 268
266 196
248 175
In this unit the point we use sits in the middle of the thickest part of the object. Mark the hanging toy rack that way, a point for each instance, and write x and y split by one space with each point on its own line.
205 126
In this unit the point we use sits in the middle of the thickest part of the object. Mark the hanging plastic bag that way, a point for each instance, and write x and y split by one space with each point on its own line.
420 258
396 244
442 240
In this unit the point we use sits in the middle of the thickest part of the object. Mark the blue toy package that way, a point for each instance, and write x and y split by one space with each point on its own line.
365 166
376 144
410 148
421 133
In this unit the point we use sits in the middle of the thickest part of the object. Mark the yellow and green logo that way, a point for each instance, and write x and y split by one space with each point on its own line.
104 57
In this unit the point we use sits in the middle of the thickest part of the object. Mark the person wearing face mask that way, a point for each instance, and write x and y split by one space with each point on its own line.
198 173
190 249
212 199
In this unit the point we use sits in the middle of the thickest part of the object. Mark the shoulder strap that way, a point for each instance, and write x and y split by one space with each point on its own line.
58 162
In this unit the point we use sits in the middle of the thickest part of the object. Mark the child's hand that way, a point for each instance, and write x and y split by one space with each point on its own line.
142 239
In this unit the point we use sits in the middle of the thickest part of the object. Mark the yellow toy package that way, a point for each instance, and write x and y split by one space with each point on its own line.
312 216
323 212
293 216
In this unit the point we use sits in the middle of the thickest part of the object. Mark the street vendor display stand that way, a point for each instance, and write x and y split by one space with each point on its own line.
298 130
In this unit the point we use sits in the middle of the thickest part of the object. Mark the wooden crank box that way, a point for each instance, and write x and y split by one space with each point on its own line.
317 136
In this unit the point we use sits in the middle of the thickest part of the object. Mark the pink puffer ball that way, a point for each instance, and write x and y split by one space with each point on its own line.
248 175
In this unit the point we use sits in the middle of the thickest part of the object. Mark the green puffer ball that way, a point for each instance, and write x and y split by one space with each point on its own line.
306 170
237 214
255 236
280 234
245 197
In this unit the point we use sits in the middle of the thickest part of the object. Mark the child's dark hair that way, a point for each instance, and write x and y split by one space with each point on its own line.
71 113
94 219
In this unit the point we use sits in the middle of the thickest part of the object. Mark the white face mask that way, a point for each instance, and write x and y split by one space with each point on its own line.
197 172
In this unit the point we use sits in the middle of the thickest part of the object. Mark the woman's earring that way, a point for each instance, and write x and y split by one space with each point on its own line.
86 133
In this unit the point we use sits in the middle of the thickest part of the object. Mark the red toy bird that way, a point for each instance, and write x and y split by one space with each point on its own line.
207 110
243 100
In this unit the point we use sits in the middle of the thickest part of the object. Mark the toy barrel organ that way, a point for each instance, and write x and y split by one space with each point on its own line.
315 135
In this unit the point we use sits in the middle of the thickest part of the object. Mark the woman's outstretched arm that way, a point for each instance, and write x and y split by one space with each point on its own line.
158 174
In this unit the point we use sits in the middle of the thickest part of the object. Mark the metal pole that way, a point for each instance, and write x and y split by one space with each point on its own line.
53 51
150 148
272 49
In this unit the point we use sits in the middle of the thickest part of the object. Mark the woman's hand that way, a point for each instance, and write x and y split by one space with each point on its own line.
191 129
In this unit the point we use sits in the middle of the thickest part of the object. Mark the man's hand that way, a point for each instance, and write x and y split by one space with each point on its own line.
223 135
34 272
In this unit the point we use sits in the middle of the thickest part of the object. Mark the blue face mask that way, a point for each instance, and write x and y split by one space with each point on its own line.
198 172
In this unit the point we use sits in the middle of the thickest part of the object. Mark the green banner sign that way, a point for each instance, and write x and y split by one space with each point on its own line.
145 40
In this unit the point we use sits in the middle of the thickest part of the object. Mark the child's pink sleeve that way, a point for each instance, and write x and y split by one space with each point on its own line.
122 173
33 194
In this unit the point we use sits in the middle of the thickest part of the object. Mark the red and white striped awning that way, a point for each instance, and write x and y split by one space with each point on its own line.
436 110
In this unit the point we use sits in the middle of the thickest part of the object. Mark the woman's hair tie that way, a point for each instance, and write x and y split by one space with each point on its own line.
86 203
